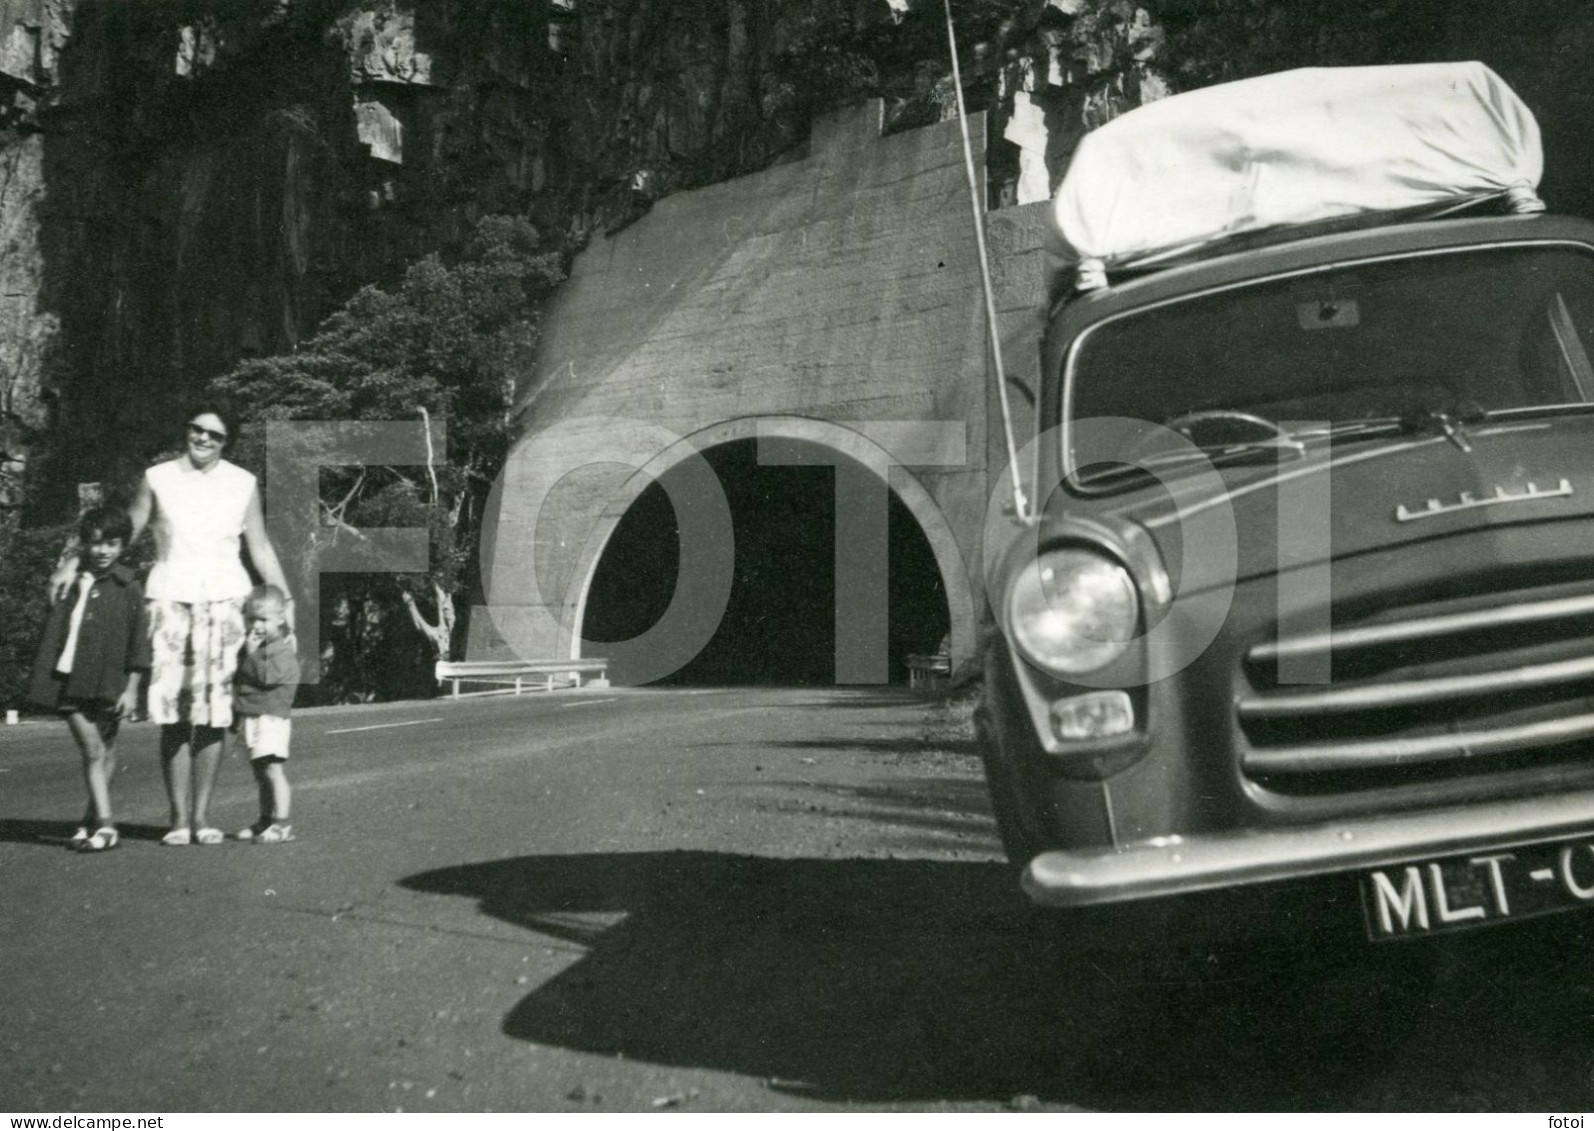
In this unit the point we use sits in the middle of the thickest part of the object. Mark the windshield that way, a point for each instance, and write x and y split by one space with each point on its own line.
1451 334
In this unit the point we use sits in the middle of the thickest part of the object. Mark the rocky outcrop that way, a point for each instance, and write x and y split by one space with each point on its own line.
190 184
1082 65
27 333
187 184
184 183
32 34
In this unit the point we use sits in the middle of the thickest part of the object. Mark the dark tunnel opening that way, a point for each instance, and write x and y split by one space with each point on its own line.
778 627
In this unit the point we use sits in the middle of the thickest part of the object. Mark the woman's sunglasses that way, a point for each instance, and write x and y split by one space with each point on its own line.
198 430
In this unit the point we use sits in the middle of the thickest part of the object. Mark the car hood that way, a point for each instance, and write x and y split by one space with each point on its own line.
1359 497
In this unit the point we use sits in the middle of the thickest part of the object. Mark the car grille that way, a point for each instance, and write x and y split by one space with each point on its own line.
1494 684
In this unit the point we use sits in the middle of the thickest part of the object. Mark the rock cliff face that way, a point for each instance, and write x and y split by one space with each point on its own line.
184 183
187 184
32 33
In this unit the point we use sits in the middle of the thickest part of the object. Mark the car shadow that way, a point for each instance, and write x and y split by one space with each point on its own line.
831 977
865 980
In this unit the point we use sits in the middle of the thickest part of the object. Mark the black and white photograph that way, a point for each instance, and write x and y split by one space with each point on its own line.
804 556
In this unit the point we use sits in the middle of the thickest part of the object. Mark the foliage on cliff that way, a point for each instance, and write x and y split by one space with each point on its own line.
444 345
29 556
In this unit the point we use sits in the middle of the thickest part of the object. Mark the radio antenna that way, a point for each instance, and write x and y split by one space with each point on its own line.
1020 505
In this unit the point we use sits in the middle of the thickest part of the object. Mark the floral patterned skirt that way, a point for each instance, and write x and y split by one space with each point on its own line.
194 653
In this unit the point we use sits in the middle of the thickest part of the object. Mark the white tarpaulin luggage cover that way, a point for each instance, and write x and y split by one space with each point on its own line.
1291 148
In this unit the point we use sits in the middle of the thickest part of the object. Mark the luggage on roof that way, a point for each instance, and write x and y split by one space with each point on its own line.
1290 148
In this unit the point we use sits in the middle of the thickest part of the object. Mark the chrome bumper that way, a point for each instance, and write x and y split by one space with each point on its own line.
1174 866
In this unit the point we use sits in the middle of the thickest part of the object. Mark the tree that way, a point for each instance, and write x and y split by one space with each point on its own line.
29 556
446 344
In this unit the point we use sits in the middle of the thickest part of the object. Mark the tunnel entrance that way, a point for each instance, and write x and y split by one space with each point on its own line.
778 627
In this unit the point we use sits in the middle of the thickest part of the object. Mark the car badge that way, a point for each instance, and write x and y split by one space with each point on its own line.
1469 501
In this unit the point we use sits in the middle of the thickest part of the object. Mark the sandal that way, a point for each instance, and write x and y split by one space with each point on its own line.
78 838
253 831
209 835
275 833
177 838
104 839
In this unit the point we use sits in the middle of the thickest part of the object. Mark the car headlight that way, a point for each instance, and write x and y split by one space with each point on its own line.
1073 611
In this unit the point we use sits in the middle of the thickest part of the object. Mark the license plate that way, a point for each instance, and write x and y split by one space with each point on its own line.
1453 893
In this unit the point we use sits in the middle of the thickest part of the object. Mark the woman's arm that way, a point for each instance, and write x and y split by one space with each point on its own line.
71 560
66 570
142 507
261 552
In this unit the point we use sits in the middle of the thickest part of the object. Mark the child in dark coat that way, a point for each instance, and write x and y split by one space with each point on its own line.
91 663
263 689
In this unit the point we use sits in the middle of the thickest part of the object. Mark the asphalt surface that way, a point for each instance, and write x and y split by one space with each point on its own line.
693 900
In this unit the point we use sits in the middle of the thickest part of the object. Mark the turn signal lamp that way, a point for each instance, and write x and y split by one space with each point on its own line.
1101 714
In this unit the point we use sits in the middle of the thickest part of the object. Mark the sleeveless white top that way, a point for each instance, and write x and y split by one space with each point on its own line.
198 520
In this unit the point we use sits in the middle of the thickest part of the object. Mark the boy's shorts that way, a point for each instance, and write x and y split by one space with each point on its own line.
100 712
267 736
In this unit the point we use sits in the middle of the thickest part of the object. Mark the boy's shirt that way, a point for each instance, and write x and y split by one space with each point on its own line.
267 679
112 640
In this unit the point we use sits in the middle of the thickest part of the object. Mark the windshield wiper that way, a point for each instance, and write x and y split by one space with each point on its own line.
1527 412
1353 429
1450 420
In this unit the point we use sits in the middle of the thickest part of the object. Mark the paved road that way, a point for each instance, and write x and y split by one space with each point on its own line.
710 900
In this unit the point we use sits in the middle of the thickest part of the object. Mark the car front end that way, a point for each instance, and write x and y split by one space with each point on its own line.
1310 601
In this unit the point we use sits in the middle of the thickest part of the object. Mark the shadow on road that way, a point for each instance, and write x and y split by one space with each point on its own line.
19 831
911 981
826 976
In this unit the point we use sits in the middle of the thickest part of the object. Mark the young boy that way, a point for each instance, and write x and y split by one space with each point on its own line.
268 675
91 663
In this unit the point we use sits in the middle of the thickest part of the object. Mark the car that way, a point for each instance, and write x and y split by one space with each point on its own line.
1299 630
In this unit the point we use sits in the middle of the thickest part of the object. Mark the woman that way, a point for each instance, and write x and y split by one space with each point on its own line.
200 505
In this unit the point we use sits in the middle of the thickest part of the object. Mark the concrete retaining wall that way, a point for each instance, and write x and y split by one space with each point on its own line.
811 301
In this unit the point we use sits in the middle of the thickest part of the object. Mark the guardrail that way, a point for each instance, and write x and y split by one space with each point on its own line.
519 672
929 671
